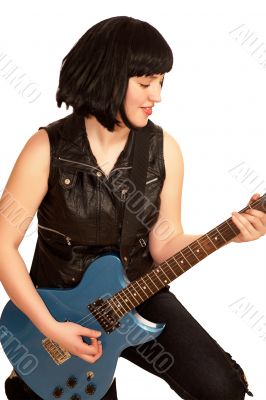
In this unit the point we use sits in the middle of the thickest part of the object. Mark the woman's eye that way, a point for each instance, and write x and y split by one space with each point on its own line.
144 86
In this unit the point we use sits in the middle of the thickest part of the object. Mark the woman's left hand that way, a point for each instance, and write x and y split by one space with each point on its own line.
251 223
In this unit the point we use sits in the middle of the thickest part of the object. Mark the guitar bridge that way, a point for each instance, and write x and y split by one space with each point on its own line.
105 315
57 353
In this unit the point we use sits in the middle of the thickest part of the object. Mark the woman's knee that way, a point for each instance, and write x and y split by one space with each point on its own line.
224 388
228 384
225 382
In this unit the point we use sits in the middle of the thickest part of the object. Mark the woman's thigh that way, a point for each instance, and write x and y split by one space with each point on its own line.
185 355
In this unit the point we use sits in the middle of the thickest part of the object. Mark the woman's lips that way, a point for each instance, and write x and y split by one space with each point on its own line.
147 110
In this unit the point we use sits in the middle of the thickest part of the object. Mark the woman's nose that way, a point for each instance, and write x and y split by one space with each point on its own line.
155 93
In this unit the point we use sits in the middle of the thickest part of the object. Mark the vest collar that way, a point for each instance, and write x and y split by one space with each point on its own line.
76 145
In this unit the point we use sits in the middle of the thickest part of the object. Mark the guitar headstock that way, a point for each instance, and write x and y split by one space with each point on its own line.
260 204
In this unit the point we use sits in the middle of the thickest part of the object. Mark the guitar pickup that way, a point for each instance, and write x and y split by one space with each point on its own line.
105 315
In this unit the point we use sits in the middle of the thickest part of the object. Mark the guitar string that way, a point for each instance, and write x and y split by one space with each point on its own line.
225 229
87 318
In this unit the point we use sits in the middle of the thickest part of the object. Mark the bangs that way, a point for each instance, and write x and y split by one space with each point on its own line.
151 55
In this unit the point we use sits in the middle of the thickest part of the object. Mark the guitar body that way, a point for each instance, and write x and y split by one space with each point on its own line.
73 378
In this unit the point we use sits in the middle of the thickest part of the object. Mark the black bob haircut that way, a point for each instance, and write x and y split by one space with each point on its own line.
94 74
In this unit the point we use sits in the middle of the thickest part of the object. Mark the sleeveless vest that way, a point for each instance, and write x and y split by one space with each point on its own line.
81 215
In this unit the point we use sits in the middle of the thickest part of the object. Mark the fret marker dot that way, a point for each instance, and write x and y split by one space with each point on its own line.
135 294
165 281
182 261
157 270
215 238
197 250
144 287
126 300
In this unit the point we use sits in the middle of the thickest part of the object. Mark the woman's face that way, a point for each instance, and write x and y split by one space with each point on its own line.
143 93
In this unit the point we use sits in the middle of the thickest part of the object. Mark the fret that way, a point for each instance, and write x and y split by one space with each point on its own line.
232 228
198 241
190 256
197 250
168 265
135 295
124 300
112 304
157 271
221 235
167 278
145 285
115 308
127 297
185 258
156 287
153 273
183 270
120 304
217 239
210 242
183 262
195 255
224 232
136 292
136 282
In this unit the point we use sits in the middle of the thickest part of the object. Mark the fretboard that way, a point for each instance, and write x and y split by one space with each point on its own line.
143 288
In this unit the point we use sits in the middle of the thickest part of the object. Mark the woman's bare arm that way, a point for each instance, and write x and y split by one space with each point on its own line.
24 191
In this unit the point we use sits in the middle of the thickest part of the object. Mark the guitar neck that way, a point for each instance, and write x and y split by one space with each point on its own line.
143 288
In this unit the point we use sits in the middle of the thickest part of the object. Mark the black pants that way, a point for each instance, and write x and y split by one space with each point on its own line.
184 355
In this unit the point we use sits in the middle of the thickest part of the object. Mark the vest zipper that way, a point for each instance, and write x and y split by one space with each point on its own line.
78 162
124 193
68 238
88 165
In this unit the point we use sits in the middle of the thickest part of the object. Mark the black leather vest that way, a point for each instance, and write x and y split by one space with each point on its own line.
81 215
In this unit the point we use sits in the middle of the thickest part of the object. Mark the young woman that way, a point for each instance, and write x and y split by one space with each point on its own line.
112 78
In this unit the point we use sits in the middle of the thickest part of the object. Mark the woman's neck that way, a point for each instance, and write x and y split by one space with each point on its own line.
104 138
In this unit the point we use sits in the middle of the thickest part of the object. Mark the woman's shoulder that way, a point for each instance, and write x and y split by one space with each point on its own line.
26 185
37 148
34 158
172 152
33 162
39 138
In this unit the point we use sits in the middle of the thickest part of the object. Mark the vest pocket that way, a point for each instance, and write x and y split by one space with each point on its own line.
152 177
59 234
67 179
152 180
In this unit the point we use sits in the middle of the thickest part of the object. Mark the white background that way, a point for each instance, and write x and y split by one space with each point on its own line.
214 105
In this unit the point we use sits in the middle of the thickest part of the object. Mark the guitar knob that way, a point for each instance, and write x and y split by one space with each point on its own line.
90 389
75 397
90 375
72 381
58 391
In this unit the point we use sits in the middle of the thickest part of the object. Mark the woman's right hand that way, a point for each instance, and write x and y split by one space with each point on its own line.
69 336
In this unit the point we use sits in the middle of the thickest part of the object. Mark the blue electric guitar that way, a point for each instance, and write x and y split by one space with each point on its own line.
104 300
